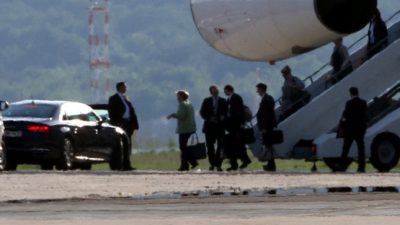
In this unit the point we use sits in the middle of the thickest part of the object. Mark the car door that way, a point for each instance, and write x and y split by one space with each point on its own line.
85 132
103 134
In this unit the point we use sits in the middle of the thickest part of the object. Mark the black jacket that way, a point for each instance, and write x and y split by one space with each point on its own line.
380 34
354 119
213 121
266 113
235 113
116 109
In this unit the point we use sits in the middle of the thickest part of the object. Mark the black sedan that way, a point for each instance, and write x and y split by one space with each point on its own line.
67 135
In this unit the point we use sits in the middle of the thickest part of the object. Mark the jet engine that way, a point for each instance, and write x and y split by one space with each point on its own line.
271 30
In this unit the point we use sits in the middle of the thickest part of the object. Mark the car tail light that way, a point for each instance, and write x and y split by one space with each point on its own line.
38 128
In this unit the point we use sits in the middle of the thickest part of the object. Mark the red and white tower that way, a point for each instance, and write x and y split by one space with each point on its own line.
99 62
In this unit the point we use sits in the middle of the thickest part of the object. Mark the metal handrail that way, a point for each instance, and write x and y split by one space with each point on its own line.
350 47
312 76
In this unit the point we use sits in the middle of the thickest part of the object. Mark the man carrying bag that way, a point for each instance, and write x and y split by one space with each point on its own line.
266 122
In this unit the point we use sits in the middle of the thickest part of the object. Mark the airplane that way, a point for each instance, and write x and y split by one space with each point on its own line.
273 30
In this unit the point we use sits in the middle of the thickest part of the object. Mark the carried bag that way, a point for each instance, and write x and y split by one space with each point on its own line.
197 150
248 114
258 148
248 134
340 130
340 133
266 154
276 136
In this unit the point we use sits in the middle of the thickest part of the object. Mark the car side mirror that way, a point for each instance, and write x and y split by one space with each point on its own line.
3 105
105 119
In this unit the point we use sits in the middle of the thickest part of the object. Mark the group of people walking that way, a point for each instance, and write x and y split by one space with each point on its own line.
224 118
224 121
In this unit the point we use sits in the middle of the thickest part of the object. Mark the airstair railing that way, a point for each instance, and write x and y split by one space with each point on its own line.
313 77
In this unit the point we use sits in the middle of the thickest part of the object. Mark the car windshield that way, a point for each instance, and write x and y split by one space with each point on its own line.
103 114
30 110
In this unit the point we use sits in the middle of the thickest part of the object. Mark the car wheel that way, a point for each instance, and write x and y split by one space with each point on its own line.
46 166
117 156
66 160
5 162
385 152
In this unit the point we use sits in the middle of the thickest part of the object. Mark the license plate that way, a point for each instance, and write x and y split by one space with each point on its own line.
8 133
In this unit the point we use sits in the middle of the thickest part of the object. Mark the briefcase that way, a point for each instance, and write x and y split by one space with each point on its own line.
247 134
277 136
196 150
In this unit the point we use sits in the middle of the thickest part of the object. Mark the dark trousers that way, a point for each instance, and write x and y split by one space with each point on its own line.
214 155
235 149
338 76
242 155
268 144
127 127
185 156
361 149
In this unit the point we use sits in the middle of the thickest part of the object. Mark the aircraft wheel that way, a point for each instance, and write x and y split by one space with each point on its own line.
385 152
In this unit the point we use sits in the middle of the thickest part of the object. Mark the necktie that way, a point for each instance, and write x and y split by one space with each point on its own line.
215 105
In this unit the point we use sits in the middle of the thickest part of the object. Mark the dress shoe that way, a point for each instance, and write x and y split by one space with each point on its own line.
129 169
268 167
211 168
194 164
360 170
231 169
219 169
183 169
244 165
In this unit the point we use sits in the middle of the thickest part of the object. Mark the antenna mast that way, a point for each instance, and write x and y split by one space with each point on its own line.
99 62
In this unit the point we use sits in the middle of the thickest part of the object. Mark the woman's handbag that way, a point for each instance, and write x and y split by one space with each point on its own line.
197 150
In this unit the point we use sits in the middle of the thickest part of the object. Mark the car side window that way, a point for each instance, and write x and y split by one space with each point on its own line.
79 112
87 114
92 117
71 113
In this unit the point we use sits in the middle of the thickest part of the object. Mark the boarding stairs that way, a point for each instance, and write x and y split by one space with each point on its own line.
378 113
324 110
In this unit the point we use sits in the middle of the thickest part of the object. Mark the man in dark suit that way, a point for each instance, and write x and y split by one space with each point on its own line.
234 144
213 111
354 124
122 114
377 35
266 122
